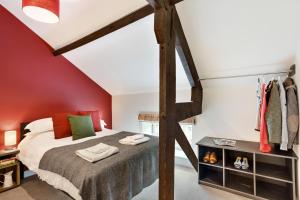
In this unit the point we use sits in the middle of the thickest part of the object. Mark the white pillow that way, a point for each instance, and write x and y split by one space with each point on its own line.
40 125
34 134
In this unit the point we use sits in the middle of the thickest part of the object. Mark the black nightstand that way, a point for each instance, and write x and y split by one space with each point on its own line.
10 165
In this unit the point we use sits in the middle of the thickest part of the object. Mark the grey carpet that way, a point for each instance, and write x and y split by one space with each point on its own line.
186 187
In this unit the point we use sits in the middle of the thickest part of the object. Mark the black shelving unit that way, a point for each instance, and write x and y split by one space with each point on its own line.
270 175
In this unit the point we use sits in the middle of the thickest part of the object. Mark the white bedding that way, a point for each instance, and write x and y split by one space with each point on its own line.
33 147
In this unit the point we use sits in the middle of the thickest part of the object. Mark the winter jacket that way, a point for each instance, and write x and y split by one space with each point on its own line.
292 111
273 115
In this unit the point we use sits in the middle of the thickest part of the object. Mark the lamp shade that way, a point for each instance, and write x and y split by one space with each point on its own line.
42 10
10 138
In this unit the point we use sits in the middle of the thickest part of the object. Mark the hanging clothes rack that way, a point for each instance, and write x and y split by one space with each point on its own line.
290 72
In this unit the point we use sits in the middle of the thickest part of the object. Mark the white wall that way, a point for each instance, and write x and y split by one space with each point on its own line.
229 109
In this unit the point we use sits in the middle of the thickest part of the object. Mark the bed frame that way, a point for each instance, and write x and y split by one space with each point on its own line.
23 131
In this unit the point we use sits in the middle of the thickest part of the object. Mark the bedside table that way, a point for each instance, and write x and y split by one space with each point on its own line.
7 164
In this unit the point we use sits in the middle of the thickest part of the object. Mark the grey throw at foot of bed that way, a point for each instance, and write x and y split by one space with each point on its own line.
119 177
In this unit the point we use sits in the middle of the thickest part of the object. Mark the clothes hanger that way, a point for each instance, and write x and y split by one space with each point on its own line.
273 78
264 80
258 79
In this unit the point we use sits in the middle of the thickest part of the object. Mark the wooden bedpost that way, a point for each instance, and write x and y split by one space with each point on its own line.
170 36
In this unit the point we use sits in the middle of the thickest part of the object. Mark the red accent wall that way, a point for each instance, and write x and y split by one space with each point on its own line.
35 84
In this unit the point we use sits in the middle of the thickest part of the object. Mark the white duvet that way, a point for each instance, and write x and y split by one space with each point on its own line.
34 146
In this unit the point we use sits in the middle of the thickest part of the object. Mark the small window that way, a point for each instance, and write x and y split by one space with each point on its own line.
146 127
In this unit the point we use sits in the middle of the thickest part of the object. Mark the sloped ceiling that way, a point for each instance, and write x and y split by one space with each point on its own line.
225 37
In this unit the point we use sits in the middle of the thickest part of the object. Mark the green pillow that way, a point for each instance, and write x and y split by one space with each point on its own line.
81 126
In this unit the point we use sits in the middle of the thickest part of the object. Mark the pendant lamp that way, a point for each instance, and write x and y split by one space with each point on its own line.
46 11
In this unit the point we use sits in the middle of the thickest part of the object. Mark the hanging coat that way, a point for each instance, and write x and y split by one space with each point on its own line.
273 114
292 111
284 134
264 144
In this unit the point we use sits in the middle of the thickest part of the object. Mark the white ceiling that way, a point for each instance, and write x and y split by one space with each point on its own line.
225 37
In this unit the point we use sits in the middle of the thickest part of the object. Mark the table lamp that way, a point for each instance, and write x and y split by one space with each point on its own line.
103 124
10 139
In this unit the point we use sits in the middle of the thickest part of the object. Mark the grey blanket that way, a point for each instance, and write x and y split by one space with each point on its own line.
119 177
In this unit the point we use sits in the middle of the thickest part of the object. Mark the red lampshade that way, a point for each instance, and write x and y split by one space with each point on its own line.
42 10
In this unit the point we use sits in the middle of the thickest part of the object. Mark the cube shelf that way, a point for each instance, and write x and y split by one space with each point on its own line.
240 182
211 175
269 176
231 158
278 167
280 190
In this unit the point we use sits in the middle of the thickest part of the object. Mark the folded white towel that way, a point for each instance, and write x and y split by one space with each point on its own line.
134 142
97 152
99 148
134 137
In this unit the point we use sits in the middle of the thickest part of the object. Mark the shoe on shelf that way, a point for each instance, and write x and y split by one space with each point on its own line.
245 164
206 157
213 158
238 162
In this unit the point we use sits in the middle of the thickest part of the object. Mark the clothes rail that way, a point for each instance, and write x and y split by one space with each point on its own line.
290 72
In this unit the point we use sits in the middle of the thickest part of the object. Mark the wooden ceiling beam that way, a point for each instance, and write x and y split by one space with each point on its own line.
197 94
167 104
187 110
186 147
170 36
157 4
185 54
114 26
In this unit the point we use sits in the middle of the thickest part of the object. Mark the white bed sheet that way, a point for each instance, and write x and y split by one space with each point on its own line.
33 147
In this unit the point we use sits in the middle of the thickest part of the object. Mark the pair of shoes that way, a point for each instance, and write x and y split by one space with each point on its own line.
239 164
210 157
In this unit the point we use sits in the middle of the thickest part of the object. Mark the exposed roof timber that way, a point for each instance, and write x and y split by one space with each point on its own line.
185 54
186 147
156 3
114 26
170 36
187 110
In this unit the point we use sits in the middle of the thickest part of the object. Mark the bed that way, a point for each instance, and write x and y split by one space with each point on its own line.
119 177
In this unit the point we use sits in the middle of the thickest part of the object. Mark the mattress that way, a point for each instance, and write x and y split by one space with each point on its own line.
118 177
33 147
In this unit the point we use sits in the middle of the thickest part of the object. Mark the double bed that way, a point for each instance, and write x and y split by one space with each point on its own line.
118 177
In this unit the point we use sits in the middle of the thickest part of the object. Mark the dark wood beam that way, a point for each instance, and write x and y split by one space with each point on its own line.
114 26
157 4
186 147
185 54
167 98
187 110
170 35
197 94
162 34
